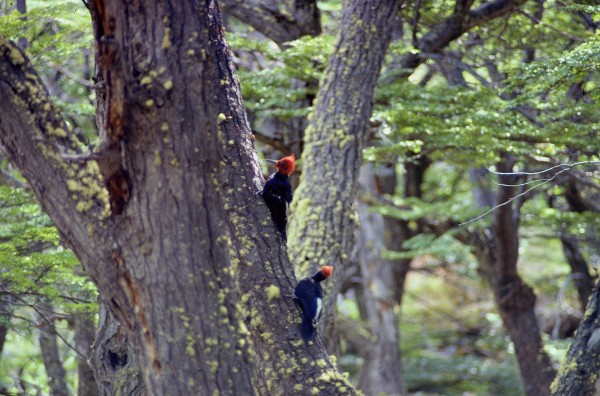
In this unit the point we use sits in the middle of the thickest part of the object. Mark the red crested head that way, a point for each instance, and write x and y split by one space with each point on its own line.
286 165
326 270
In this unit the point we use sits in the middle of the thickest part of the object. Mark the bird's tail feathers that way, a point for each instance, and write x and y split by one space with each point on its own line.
307 329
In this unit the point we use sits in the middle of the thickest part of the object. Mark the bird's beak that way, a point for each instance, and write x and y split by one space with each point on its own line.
271 161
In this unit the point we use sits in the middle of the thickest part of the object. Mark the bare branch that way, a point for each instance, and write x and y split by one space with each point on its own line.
452 27
537 20
279 26
71 75
542 182
569 166
277 143
49 322
461 65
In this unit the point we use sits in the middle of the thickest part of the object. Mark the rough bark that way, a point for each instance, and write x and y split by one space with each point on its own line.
115 363
282 361
578 375
323 220
152 265
164 213
55 370
84 338
300 18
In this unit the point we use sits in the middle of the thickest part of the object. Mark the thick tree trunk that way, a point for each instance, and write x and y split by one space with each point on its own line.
49 348
114 361
282 361
579 374
153 266
323 220
84 338
164 214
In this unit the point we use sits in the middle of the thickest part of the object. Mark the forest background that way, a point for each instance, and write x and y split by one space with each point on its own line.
455 189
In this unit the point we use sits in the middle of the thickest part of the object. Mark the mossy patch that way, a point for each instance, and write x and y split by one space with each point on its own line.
273 292
166 41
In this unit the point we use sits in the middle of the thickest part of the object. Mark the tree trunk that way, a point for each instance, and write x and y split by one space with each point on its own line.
6 310
580 272
496 250
114 361
570 244
382 370
49 348
323 219
578 375
22 8
281 360
164 214
84 338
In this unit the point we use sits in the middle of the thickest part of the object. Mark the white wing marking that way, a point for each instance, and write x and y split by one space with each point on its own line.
319 307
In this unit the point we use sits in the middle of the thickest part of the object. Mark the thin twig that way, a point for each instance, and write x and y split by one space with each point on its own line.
537 20
461 65
71 75
49 322
569 166
523 193
519 184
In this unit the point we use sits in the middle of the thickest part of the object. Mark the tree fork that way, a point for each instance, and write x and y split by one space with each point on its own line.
205 182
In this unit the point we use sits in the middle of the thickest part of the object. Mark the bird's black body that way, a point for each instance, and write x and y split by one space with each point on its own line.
277 193
309 295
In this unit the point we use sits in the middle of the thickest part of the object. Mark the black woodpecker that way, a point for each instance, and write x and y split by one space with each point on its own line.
309 296
277 192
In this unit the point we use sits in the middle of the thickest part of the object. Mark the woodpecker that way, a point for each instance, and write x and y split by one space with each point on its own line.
309 296
277 192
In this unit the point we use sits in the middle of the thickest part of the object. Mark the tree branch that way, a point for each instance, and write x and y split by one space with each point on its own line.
542 182
443 33
279 26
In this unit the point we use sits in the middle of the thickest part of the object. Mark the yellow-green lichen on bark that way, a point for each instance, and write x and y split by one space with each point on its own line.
166 41
88 189
273 292
566 368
